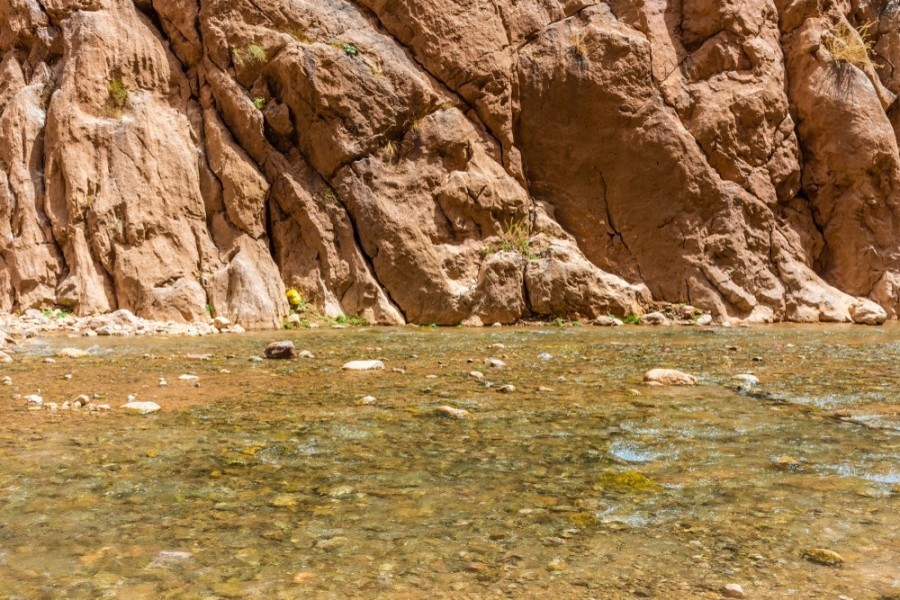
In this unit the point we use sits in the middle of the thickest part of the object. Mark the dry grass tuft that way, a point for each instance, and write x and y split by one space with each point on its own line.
850 46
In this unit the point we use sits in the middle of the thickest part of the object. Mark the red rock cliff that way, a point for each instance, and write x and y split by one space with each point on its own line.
436 160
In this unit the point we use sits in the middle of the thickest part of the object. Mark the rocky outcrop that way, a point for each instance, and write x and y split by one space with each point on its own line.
434 162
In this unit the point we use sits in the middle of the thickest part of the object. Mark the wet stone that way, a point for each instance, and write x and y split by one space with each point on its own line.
449 411
746 379
733 590
72 353
669 377
824 556
281 350
140 408
363 365
655 318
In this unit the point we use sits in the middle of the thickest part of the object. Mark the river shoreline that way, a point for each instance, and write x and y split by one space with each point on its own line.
31 323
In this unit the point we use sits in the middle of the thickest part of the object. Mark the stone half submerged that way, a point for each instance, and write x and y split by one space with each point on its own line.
515 159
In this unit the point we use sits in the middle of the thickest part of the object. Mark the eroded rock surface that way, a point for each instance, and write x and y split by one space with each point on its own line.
440 162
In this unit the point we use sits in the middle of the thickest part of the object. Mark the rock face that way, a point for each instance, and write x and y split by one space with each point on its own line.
440 162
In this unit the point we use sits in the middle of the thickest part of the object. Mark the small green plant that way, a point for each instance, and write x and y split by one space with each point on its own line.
56 313
516 236
118 94
848 45
253 54
631 319
350 49
209 309
259 102
353 321
257 54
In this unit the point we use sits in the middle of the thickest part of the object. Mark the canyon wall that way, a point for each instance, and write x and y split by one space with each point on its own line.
447 161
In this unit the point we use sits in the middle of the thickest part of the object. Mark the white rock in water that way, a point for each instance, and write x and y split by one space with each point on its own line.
669 377
7 380
367 400
141 408
72 353
608 322
866 312
170 557
34 400
188 378
6 358
496 363
449 411
221 322
733 590
747 379
363 365
705 320
655 318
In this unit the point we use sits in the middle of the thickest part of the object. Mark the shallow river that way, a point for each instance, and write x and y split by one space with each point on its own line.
273 480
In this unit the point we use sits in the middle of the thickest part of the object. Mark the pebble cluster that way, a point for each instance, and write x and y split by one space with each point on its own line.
122 322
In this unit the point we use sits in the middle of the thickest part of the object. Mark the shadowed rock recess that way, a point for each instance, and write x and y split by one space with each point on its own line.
440 161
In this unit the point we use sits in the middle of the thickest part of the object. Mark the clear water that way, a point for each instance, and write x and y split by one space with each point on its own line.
273 480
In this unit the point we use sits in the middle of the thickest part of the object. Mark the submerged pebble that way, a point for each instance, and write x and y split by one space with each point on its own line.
669 377
747 379
141 408
449 411
363 365
72 353
823 556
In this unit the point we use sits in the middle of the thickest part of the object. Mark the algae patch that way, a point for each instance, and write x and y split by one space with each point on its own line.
627 482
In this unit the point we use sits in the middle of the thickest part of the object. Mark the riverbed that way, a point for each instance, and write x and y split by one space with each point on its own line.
280 479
